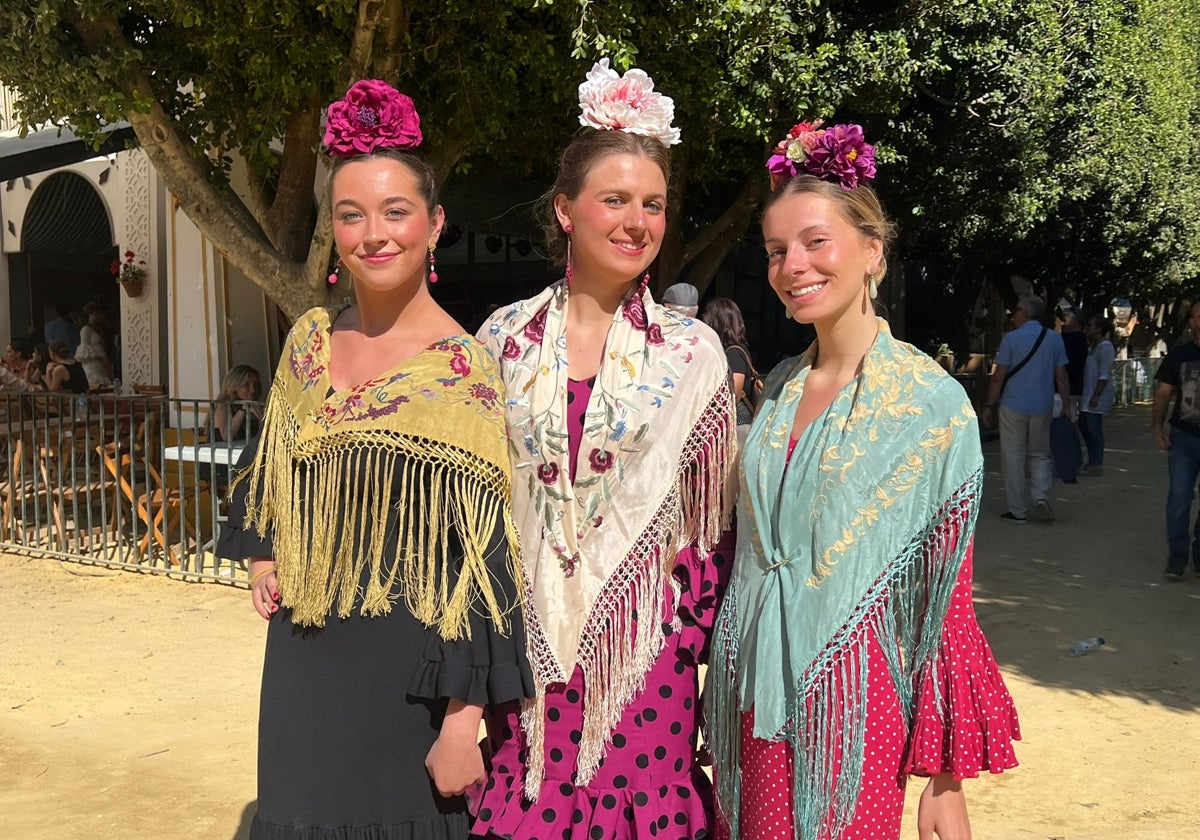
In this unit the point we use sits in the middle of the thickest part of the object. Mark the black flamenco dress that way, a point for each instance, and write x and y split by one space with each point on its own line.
349 710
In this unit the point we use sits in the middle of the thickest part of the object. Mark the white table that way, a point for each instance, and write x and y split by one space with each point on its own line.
224 454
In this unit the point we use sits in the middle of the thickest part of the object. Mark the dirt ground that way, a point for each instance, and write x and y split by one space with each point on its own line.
128 702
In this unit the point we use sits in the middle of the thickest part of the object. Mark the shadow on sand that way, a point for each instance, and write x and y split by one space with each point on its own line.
1096 571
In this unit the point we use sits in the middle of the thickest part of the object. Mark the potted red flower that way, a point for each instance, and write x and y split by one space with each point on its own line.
130 274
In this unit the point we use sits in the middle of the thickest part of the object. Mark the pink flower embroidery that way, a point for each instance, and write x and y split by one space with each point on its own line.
536 328
459 365
654 336
548 473
635 312
485 394
512 350
600 460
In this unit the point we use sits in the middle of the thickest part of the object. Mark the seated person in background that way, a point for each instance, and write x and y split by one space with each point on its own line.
236 403
14 360
35 368
63 373
15 365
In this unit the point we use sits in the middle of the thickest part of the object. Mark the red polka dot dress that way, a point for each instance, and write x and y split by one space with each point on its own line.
649 784
972 732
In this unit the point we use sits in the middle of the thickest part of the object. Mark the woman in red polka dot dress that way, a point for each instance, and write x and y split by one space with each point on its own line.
622 431
847 655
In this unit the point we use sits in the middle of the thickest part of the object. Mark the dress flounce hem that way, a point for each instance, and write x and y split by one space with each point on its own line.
563 810
449 827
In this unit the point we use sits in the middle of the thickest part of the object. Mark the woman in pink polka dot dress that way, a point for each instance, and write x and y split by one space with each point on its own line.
622 434
847 655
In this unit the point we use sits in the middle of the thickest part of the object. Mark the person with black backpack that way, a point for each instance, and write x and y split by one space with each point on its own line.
1031 365
725 318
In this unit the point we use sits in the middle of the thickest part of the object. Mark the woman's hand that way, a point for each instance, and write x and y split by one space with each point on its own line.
455 761
264 588
942 812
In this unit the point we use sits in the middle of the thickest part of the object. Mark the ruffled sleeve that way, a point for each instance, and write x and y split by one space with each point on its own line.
965 720
491 667
702 578
237 540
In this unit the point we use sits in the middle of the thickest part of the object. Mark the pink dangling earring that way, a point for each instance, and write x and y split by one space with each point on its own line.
645 282
333 275
569 229
433 278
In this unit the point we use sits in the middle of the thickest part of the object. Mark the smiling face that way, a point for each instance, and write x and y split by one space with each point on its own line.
817 261
381 223
619 217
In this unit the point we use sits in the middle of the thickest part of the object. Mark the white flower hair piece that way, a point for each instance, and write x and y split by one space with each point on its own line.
626 103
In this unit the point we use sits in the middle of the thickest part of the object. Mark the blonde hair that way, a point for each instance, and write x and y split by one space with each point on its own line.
238 376
859 206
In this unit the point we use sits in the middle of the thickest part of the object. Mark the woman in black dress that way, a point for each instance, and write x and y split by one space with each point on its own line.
63 373
376 513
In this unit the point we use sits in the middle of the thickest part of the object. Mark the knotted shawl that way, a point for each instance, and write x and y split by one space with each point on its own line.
330 462
865 529
658 441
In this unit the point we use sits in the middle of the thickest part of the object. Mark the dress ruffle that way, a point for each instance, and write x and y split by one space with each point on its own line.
238 543
489 685
597 813
966 722
703 579
448 827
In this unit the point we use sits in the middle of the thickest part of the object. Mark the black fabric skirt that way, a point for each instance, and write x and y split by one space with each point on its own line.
342 743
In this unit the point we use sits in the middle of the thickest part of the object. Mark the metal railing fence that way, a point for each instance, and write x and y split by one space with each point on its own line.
127 482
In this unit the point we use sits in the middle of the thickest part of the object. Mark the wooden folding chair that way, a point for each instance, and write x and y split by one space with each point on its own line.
23 491
162 508
117 461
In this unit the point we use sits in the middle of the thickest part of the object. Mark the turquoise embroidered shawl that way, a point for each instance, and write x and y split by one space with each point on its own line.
865 528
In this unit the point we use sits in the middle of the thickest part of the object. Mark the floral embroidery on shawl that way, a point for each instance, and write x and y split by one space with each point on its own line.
663 380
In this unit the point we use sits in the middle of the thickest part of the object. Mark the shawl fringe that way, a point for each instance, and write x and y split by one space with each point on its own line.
302 490
827 710
616 650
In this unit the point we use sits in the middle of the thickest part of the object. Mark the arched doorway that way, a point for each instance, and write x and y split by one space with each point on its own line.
67 250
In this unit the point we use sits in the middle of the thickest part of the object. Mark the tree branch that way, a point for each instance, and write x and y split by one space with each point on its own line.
289 221
736 215
220 215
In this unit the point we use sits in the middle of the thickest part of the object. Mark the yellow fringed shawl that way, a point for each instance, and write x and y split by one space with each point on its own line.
416 457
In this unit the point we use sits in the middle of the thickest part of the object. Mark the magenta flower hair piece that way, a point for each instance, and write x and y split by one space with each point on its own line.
839 154
372 115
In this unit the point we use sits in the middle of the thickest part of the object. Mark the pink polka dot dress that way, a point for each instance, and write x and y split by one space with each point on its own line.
979 726
649 785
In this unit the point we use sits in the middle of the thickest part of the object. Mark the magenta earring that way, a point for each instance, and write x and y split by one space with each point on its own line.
645 282
333 275
569 229
433 278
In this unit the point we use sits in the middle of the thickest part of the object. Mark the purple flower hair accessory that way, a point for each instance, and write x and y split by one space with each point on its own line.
842 155
372 115
838 153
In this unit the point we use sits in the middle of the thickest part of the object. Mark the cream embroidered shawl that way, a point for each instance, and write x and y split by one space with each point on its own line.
657 447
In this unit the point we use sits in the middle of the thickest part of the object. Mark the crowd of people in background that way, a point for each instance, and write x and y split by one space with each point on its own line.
73 353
